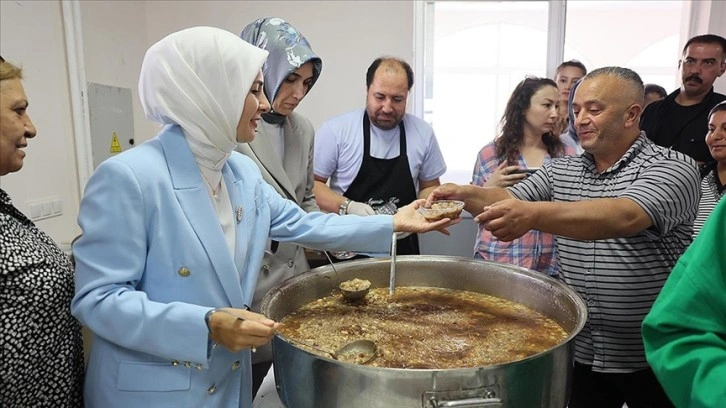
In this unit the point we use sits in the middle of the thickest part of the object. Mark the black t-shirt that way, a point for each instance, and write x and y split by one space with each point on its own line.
682 128
675 120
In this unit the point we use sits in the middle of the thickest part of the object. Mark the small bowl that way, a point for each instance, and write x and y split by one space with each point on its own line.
442 209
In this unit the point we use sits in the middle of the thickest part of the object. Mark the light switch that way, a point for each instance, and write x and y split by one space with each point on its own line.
36 211
57 207
47 208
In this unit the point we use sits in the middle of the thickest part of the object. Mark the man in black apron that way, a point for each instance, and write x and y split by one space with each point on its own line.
382 184
385 183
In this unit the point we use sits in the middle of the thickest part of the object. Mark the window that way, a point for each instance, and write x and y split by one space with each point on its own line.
473 53
647 38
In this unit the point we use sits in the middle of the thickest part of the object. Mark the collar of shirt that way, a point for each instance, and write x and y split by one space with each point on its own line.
638 145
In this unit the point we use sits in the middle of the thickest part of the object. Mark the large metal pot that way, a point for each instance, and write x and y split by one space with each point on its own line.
543 380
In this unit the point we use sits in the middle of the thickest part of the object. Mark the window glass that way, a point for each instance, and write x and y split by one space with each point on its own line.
641 35
479 52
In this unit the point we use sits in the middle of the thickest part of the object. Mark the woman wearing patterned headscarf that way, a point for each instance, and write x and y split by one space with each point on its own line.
174 231
283 148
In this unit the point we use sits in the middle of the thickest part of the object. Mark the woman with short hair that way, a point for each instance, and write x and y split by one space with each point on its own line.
42 359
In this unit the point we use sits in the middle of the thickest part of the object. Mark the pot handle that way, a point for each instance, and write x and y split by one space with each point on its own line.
466 403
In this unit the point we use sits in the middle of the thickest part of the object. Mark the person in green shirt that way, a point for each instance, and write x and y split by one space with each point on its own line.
685 332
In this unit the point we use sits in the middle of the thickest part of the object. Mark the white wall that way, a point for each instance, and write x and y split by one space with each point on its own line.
717 25
114 42
347 35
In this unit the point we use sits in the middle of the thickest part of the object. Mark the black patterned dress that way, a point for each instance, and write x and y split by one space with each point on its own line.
42 348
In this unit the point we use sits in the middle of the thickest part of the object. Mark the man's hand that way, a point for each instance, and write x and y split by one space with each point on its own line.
408 219
237 329
448 191
475 198
508 219
358 208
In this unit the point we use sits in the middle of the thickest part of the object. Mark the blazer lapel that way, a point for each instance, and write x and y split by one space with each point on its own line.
272 169
293 157
242 207
194 200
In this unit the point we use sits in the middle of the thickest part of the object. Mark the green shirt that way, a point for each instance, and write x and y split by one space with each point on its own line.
685 331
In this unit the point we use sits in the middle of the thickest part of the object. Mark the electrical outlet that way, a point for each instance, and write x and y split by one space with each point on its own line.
44 208
36 211
57 207
47 208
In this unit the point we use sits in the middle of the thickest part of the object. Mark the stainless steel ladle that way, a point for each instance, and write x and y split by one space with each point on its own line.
349 295
357 352
392 277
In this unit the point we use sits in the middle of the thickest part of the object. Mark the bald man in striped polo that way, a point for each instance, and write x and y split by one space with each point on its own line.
622 213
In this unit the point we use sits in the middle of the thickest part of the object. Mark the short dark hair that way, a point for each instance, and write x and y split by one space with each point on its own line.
389 60
628 75
718 108
653 88
571 63
708 39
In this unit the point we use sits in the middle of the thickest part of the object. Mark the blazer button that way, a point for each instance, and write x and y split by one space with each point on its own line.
212 389
235 366
174 363
199 367
187 364
183 272
290 263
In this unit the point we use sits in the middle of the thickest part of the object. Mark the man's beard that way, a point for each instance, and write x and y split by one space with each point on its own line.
387 125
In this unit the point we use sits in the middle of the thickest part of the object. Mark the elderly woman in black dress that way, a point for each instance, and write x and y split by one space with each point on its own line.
42 360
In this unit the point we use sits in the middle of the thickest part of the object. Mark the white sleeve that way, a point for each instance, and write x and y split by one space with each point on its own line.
433 165
326 151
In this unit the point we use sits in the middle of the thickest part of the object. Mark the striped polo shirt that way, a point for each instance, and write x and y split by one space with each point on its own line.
711 192
620 278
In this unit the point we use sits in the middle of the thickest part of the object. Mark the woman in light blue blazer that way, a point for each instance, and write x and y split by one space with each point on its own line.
174 231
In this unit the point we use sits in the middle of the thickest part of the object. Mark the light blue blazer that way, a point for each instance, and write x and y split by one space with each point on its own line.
152 260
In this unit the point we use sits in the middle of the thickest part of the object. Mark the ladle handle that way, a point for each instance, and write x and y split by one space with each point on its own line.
332 265
392 278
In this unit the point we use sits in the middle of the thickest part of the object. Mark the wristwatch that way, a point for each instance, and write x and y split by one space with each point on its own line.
208 317
343 209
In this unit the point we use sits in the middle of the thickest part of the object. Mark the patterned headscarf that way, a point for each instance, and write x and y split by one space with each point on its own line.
288 49
199 78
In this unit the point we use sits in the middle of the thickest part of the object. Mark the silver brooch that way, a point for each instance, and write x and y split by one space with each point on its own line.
238 213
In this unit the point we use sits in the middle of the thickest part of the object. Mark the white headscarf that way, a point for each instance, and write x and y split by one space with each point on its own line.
199 78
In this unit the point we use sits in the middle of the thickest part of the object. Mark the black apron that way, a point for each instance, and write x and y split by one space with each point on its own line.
385 184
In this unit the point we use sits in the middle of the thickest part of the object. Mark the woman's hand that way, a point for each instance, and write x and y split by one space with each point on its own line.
408 219
504 176
237 329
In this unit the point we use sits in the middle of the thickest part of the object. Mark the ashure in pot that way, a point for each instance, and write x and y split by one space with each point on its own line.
541 380
440 328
